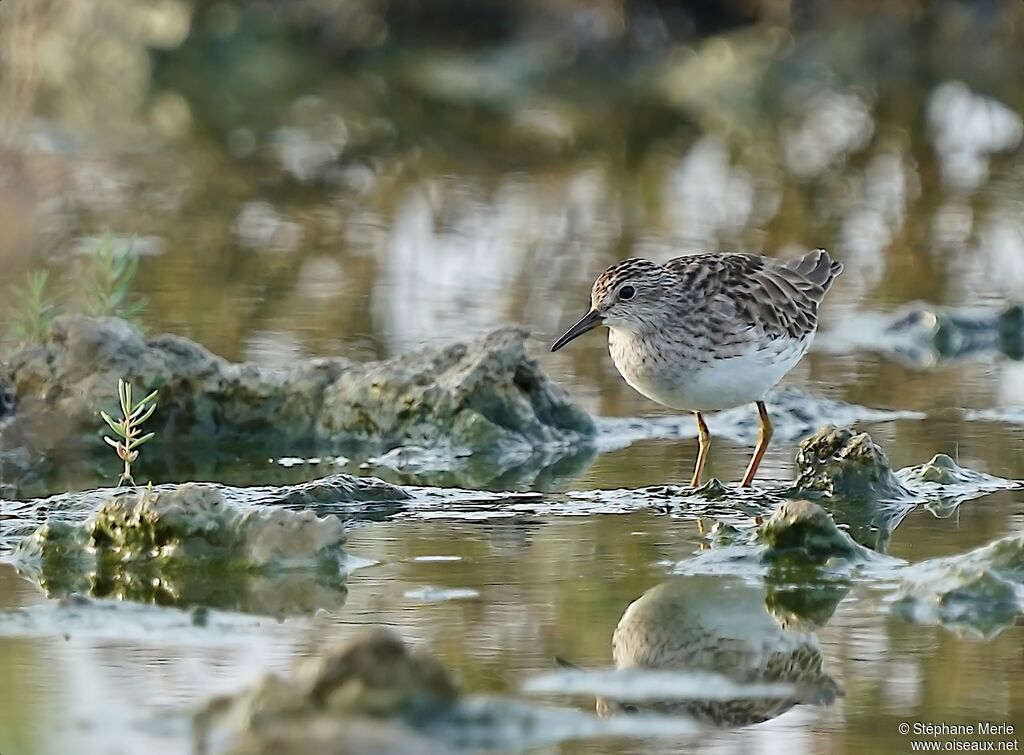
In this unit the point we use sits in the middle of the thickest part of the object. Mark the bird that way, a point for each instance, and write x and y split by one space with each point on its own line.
725 626
709 331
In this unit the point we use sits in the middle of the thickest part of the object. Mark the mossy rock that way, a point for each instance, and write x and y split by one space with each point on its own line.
372 683
485 394
840 463
802 533
187 545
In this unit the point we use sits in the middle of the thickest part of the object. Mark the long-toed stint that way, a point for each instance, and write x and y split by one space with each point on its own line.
709 331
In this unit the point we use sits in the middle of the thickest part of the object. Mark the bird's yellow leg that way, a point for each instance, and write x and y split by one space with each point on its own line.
762 444
702 453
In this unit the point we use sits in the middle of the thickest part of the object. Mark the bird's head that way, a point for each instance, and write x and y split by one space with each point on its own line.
630 295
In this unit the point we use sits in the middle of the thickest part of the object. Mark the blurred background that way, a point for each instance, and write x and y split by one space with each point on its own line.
359 178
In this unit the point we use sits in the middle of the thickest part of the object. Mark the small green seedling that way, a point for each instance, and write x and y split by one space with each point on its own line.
128 427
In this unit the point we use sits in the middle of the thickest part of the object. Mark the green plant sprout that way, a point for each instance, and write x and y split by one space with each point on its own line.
108 293
34 310
128 427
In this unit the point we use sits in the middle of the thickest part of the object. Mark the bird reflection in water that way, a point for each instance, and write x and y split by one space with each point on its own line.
746 633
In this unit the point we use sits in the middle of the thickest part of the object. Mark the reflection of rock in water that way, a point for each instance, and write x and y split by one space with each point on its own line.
923 335
978 593
189 546
720 625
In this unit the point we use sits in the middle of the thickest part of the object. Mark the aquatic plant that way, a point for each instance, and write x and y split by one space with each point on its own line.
128 428
33 311
109 282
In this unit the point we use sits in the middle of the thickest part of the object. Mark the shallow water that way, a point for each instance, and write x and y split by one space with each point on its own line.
276 233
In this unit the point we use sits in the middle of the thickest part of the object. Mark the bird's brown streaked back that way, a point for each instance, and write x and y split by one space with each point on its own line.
781 298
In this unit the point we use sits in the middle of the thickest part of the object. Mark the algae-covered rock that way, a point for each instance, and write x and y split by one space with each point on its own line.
6 394
202 396
341 495
364 693
802 533
333 490
868 497
840 463
187 545
940 470
946 484
979 592
923 335
486 395
799 540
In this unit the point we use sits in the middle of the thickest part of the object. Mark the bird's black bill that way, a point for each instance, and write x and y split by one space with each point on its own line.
589 321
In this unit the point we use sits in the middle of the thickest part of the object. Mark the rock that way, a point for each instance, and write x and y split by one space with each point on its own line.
202 397
373 695
923 335
724 534
188 523
801 533
330 490
486 395
838 463
6 395
940 470
340 495
950 333
865 495
357 696
187 545
980 592
946 484
800 539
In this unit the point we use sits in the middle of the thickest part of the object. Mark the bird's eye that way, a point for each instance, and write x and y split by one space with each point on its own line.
626 293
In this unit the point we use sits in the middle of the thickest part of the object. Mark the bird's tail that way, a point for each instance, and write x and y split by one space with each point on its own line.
817 267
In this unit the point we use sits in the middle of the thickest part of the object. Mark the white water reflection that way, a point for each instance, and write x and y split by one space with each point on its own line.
967 128
834 126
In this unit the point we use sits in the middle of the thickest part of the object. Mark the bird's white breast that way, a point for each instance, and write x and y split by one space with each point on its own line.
678 378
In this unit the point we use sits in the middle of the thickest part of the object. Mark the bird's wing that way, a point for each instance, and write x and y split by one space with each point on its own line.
756 292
